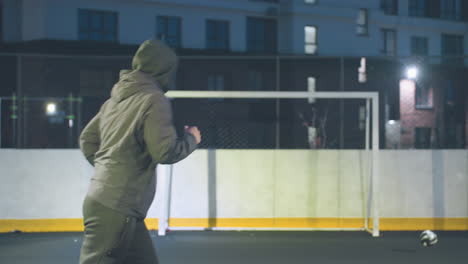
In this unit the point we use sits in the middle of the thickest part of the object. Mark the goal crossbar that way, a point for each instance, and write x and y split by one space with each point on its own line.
372 101
272 95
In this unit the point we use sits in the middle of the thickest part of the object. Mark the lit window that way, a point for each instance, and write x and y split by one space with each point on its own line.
311 87
362 71
310 33
362 22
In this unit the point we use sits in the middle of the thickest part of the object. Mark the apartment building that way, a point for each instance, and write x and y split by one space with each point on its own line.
319 45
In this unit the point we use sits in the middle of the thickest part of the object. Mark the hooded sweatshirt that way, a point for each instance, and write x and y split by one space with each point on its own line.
133 132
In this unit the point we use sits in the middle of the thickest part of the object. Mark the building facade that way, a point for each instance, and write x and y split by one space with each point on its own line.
257 45
320 27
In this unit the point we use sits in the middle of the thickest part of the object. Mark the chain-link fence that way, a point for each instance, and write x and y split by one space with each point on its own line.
428 110
274 123
40 122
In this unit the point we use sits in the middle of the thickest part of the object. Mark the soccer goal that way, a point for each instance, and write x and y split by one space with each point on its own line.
274 161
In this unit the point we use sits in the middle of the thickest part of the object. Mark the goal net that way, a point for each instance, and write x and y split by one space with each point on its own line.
274 161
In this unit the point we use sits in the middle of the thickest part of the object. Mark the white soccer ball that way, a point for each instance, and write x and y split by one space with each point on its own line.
428 238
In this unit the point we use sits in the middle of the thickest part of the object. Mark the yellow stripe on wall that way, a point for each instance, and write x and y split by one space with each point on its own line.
409 224
41 225
53 225
386 224
268 222
152 223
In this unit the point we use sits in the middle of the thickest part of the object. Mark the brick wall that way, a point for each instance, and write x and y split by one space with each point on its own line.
411 117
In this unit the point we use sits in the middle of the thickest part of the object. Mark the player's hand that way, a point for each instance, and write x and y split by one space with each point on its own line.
195 132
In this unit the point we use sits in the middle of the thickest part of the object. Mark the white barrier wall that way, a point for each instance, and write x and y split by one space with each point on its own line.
44 184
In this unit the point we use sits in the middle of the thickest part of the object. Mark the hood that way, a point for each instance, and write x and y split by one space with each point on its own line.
155 59
158 60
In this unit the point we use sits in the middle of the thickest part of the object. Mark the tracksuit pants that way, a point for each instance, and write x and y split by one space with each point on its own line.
113 238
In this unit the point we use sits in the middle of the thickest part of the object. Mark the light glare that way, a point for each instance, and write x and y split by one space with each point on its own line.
51 109
412 73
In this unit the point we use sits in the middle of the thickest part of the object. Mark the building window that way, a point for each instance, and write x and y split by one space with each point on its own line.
217 35
97 25
452 48
423 96
261 35
450 93
419 46
417 8
388 42
452 45
362 71
310 34
311 87
169 30
256 82
451 9
362 23
389 7
422 137
216 82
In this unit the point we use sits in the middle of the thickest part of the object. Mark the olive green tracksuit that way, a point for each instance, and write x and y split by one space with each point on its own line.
130 135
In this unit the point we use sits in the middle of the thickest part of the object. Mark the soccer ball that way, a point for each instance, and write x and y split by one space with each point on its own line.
428 238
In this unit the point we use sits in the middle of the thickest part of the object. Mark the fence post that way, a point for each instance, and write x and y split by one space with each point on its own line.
24 122
18 120
278 119
342 88
71 118
14 117
79 100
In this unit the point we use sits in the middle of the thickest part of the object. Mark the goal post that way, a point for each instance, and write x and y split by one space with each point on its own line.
371 219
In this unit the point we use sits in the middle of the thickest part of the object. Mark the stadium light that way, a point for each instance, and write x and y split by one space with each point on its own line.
412 72
51 109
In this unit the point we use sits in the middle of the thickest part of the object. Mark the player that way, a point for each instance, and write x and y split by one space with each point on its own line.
130 135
